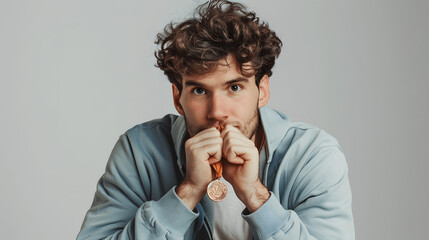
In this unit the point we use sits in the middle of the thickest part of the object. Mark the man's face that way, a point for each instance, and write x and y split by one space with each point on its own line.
220 98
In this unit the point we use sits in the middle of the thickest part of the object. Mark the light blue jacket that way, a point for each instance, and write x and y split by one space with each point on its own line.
306 173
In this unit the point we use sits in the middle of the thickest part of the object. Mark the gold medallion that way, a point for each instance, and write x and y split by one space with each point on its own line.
217 190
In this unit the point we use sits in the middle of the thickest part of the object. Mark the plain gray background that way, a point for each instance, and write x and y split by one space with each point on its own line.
77 74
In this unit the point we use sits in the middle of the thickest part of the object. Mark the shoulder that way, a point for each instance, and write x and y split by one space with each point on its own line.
318 161
304 159
148 138
302 148
154 129
146 143
312 146
282 133
311 136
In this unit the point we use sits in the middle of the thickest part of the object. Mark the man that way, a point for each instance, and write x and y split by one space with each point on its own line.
168 178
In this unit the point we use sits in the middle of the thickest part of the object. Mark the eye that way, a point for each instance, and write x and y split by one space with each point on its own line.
199 91
235 88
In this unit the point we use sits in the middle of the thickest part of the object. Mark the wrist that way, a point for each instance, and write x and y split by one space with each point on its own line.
255 197
189 194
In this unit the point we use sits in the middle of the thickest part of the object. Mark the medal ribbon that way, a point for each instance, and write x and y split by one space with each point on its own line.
217 167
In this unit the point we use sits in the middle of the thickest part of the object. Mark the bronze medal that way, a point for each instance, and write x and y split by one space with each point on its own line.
217 190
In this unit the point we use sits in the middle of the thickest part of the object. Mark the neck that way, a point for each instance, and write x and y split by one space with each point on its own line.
259 137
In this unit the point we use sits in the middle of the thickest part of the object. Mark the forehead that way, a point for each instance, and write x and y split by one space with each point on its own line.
226 69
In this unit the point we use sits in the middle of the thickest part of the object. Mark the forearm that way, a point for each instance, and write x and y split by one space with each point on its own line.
273 221
167 217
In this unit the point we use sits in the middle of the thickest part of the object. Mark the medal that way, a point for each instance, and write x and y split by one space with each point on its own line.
217 190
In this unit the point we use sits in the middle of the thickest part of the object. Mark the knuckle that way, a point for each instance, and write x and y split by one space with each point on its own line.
188 143
229 134
216 132
230 152
192 148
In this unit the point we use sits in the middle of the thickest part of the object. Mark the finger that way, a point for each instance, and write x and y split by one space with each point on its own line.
233 132
213 153
206 142
208 133
233 138
237 154
229 128
213 160
229 143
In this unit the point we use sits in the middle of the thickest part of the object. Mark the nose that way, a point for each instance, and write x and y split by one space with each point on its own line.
218 105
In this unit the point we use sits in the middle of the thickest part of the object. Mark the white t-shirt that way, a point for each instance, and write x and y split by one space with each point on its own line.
228 222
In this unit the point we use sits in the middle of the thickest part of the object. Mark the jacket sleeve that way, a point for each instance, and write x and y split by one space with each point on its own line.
321 203
121 208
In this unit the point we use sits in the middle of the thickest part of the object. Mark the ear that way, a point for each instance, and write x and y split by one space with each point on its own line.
176 99
264 91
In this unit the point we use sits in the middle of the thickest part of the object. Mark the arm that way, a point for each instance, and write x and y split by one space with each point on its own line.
314 198
122 209
201 150
321 200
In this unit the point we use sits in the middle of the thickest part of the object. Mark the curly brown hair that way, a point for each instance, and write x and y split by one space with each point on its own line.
218 28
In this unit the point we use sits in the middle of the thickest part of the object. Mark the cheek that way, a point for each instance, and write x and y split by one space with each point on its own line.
195 111
245 106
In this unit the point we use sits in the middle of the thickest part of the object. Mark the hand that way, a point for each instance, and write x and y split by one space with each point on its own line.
241 168
203 149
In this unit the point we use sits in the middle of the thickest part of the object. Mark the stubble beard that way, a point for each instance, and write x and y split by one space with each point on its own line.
249 128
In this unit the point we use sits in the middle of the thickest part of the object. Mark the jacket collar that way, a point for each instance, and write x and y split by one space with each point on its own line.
179 136
275 126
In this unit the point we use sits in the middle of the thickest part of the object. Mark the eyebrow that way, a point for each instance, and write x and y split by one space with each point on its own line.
197 84
240 79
